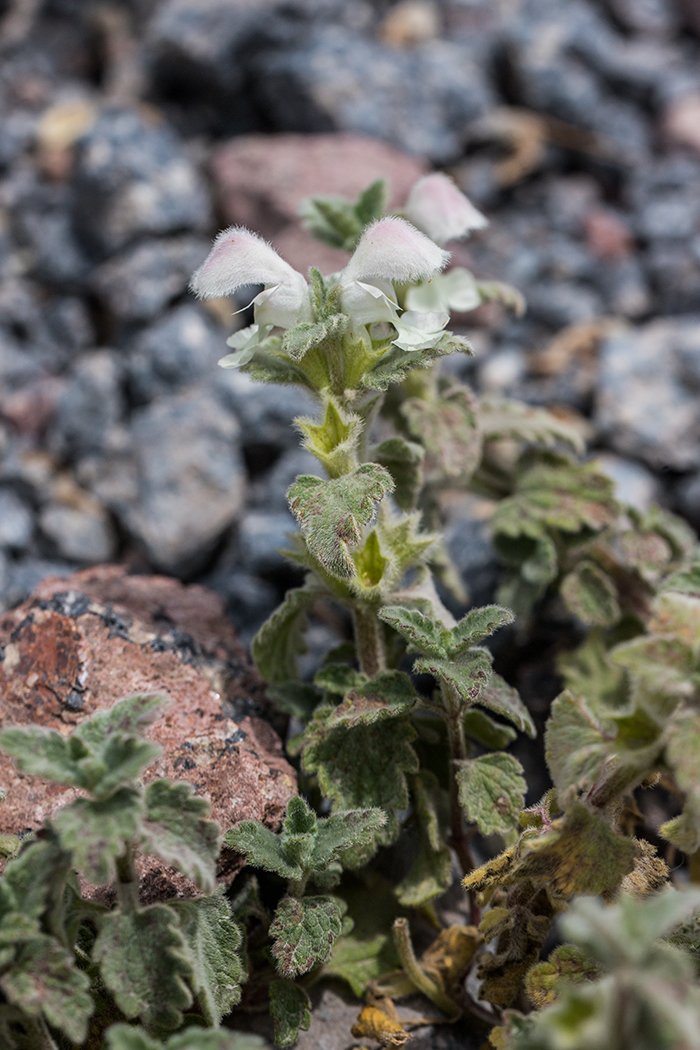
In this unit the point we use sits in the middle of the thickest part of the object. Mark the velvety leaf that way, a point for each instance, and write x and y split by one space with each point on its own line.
97 831
566 963
290 1010
492 792
32 876
388 695
43 753
588 671
177 831
502 698
521 422
447 427
404 544
342 830
279 641
403 460
298 341
371 203
339 679
334 440
485 731
45 980
378 781
214 944
367 951
468 674
577 745
129 1037
144 963
268 365
431 871
477 625
262 848
591 595
682 751
332 220
396 364
303 932
423 634
331 513
580 854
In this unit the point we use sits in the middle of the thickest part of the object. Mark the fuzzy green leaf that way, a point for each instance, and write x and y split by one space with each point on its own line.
371 203
268 365
520 422
103 753
396 364
485 731
389 695
431 871
477 625
403 460
144 962
447 427
214 947
467 674
504 700
378 781
422 633
280 641
331 513
44 980
177 831
128 1037
332 220
298 341
341 830
263 849
304 931
339 679
33 875
290 1010
367 951
333 441
577 745
682 750
591 595
492 792
97 831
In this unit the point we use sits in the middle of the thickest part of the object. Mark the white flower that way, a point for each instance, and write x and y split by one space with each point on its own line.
240 257
393 250
456 290
442 211
243 343
419 331
366 303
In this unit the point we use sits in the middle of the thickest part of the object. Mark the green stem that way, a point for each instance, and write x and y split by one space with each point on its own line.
335 357
127 883
418 977
369 640
459 835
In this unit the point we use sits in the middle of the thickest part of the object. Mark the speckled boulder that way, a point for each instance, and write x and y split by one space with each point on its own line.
79 644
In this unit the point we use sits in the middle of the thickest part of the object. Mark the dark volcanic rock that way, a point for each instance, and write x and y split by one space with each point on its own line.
91 404
79 645
180 348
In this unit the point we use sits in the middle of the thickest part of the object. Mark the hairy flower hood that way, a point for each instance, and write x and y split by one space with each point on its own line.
393 250
437 207
240 257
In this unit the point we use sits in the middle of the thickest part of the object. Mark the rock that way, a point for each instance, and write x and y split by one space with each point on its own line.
261 536
607 233
270 491
249 601
261 179
419 100
91 404
180 348
265 413
644 406
79 645
140 282
468 541
655 17
82 534
672 215
562 303
132 179
634 484
175 479
681 121
42 223
24 575
688 499
16 521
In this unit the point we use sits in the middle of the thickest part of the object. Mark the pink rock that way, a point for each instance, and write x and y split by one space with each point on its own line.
261 179
682 121
607 235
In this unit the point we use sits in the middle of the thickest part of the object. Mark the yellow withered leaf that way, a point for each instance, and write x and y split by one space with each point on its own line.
374 1024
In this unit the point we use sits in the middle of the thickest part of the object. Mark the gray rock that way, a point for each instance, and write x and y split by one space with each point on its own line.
561 303
634 484
673 270
16 521
643 408
90 406
260 538
133 178
265 413
140 282
468 540
688 499
181 348
24 575
671 215
420 100
655 17
42 223
270 491
249 601
84 534
175 479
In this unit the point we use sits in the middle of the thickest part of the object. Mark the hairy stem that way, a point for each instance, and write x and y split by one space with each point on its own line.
127 882
418 977
369 640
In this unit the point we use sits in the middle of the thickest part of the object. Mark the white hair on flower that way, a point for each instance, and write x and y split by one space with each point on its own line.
393 250
240 257
442 211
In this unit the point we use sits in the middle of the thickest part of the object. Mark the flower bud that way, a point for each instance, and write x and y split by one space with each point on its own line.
393 250
442 211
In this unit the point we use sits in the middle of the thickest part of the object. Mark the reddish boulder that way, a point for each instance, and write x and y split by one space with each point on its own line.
79 644
260 180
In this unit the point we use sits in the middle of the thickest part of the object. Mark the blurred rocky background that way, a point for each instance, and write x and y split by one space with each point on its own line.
132 130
